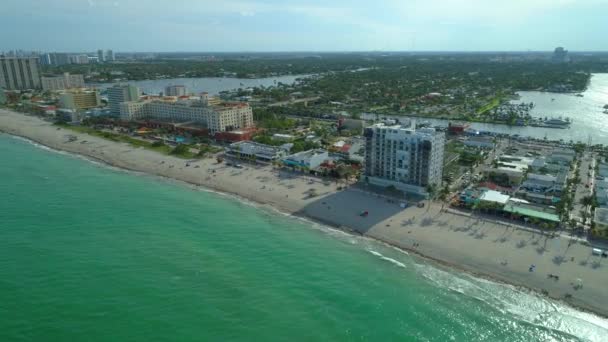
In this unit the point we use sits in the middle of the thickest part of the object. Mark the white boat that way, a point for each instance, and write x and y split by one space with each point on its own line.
557 123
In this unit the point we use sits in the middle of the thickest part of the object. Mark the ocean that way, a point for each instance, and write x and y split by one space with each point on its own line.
90 252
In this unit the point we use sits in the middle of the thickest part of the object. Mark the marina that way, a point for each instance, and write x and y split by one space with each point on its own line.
586 114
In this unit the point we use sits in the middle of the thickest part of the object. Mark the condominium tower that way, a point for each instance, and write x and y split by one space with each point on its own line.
19 73
409 159
121 93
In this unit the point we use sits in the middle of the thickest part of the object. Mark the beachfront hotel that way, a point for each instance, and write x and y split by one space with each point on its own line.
77 99
216 118
404 157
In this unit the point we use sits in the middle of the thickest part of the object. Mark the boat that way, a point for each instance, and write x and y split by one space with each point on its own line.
579 95
557 123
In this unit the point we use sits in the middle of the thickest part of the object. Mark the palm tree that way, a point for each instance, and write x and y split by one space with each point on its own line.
587 201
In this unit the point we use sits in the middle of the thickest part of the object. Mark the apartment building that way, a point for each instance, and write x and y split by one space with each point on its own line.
19 73
404 157
118 94
65 81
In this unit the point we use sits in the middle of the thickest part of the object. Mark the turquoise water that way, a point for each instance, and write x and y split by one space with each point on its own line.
92 253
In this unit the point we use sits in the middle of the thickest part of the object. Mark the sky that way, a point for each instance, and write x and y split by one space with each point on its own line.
298 25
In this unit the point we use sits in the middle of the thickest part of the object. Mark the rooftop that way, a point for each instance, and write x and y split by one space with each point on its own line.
601 216
494 196
530 211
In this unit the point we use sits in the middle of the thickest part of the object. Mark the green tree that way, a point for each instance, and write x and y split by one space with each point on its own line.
180 150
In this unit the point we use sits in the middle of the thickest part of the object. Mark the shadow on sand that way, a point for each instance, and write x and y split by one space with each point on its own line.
345 208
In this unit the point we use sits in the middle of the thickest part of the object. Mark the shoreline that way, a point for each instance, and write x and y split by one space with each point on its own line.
285 201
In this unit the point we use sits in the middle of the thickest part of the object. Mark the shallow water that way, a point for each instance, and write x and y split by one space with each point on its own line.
93 253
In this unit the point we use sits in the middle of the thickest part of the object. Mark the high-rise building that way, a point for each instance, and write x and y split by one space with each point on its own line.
409 159
121 93
110 56
79 99
560 55
175 90
19 73
65 81
100 56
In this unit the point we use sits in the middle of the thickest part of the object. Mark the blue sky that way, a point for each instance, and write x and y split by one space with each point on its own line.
298 25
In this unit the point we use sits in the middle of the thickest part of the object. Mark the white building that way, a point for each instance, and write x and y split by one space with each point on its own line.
401 156
118 94
252 150
311 159
225 117
132 110
65 81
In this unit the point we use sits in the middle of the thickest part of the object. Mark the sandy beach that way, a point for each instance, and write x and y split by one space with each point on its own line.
483 247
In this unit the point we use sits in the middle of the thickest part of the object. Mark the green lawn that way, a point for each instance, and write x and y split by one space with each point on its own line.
489 106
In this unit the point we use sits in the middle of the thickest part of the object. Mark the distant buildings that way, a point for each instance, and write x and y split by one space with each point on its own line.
45 59
410 160
56 59
79 99
110 56
101 57
19 73
175 90
79 59
560 55
65 81
121 93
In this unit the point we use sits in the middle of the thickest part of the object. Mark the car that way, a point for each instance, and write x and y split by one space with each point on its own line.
420 205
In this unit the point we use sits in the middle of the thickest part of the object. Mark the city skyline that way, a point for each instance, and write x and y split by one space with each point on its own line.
272 26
